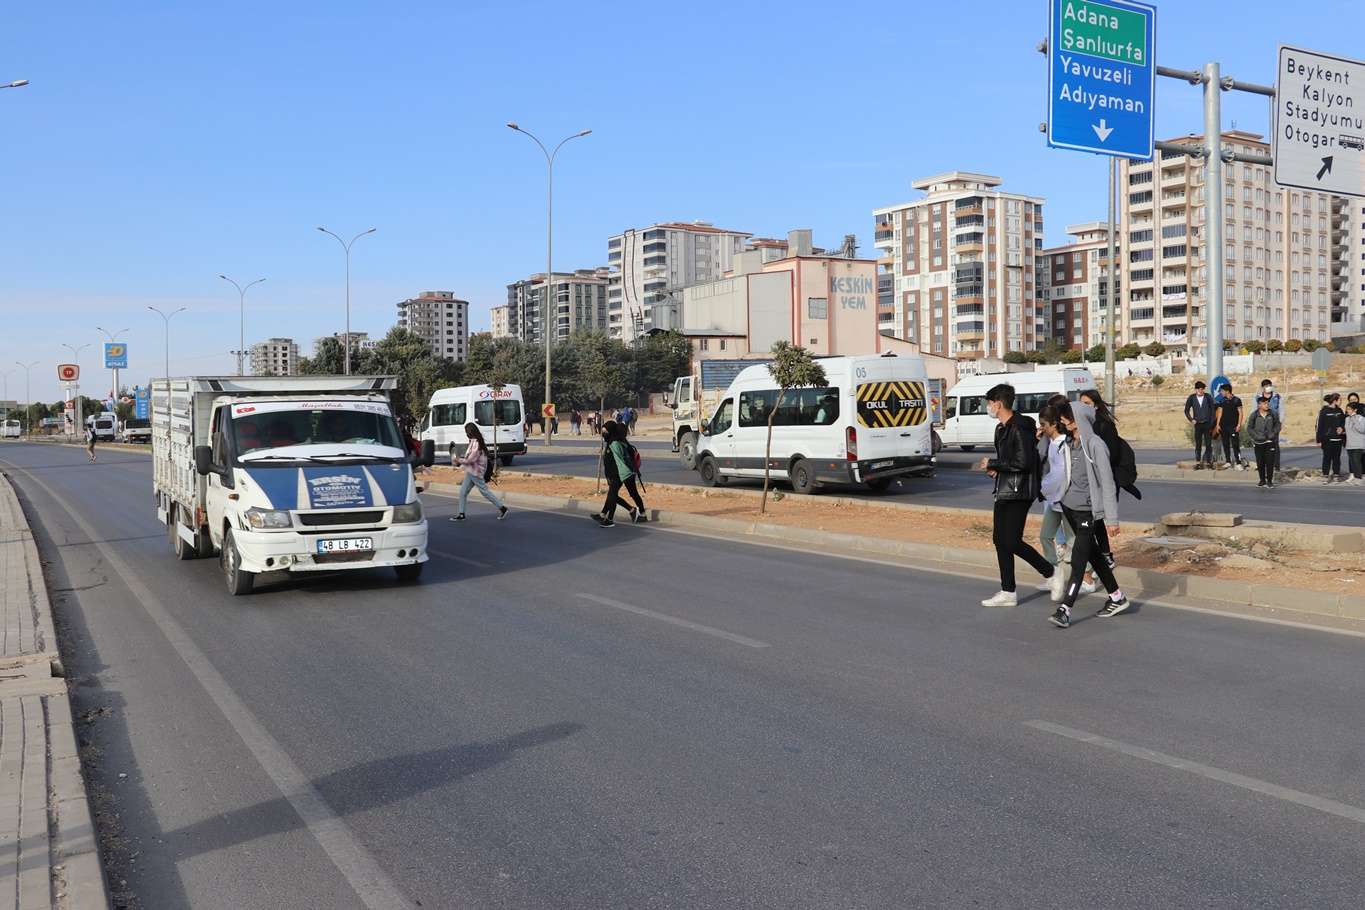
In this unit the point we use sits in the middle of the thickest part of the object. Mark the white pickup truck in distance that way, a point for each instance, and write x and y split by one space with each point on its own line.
286 474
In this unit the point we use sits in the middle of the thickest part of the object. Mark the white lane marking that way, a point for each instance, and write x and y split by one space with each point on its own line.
464 559
1298 797
675 621
370 883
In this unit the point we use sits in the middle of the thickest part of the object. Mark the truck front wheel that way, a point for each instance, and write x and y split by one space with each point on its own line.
238 581
687 450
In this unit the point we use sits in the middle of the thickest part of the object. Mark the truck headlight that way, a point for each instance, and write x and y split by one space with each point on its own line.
407 514
268 519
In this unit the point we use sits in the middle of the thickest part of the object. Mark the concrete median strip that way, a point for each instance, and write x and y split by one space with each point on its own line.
51 852
1342 613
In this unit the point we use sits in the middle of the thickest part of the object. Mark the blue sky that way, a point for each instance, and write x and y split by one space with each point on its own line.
162 144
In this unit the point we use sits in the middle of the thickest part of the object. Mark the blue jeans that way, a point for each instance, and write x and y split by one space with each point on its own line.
471 481
1055 529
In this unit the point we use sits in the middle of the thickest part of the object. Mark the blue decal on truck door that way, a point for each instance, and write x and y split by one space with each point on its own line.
337 488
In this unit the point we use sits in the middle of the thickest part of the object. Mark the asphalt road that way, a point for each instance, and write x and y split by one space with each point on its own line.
1307 502
565 717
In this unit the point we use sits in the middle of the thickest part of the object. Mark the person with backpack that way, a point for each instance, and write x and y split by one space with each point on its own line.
1199 411
1015 471
621 466
1264 429
1331 435
1090 503
478 470
1122 459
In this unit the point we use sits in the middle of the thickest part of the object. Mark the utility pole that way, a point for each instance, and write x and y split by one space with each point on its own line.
166 318
550 308
76 359
347 247
1110 385
28 395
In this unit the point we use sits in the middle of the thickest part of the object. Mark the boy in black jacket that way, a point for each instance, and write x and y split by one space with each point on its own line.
1199 411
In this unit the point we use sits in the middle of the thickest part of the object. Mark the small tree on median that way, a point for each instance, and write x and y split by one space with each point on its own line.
793 367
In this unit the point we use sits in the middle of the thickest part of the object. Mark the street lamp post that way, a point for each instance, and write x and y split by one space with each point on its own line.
241 317
166 318
347 247
28 395
112 336
76 359
549 307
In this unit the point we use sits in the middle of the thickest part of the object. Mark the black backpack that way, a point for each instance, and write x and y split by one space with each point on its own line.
1123 464
488 466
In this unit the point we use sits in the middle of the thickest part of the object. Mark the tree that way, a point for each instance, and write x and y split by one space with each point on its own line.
1015 357
1293 346
793 367
1158 381
1229 346
1155 349
1036 357
1329 345
1255 347
327 360
404 354
1095 354
1274 345
1128 351
662 357
1311 344
1072 356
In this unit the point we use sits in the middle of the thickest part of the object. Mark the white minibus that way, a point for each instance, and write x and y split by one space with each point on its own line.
965 420
450 409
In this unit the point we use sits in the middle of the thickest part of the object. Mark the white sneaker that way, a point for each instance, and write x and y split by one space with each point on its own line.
1044 585
1057 585
1088 587
1002 599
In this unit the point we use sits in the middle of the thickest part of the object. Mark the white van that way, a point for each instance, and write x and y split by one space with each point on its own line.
11 430
450 409
869 426
966 422
106 427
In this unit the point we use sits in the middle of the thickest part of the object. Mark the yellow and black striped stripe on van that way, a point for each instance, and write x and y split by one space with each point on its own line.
892 404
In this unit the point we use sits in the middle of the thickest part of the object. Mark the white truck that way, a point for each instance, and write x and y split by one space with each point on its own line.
695 397
281 474
136 430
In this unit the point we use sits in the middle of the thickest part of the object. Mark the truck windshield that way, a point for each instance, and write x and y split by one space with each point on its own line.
257 428
509 413
133 423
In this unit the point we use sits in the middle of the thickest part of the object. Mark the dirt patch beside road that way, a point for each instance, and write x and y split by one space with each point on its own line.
962 528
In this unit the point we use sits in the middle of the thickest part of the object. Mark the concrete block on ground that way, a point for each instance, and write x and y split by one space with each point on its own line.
1202 519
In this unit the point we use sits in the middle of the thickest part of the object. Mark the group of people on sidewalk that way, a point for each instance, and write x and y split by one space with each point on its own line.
1067 461
1222 415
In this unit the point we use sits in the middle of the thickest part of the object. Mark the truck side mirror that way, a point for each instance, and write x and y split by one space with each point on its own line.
428 452
203 460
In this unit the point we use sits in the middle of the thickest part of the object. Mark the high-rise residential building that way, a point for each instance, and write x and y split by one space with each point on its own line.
498 326
439 319
957 272
275 357
1348 302
1073 285
650 267
581 303
1284 251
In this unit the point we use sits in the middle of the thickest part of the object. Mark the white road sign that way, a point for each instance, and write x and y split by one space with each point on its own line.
1320 122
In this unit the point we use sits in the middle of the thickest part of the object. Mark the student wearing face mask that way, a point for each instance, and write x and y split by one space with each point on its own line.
1015 470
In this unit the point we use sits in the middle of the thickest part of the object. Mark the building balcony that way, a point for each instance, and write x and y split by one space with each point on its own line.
883 237
970 220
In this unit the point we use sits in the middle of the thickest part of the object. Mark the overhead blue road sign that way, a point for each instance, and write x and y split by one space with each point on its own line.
116 356
1101 76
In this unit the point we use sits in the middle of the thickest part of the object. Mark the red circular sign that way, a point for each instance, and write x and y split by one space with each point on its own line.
68 372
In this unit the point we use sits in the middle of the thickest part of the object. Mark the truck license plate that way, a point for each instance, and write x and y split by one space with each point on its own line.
346 545
878 465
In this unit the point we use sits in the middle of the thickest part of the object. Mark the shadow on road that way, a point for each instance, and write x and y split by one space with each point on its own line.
366 786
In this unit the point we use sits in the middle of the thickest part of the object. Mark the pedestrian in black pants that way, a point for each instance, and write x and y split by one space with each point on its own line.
1228 424
1264 429
1331 436
1015 469
1199 411
620 472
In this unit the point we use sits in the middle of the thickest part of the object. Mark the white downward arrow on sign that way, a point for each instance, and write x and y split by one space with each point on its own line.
1102 130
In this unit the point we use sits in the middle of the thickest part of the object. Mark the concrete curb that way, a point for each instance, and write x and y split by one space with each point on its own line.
75 879
1252 599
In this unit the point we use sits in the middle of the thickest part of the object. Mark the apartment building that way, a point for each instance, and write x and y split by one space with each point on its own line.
1073 285
580 303
1348 312
275 357
439 319
497 326
957 272
1284 251
649 268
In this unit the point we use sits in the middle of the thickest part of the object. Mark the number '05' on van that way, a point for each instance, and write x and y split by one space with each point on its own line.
868 425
